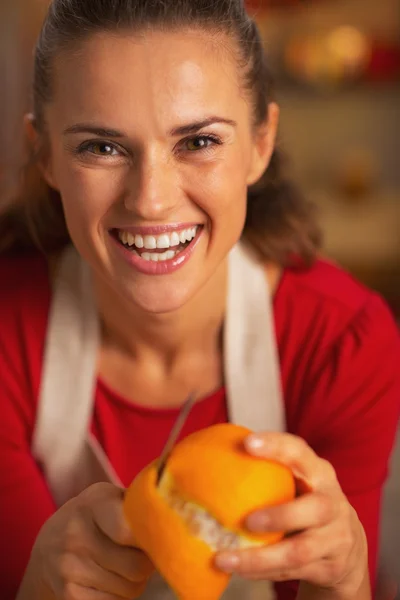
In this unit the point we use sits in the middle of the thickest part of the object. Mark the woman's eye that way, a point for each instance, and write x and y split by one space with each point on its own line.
100 149
202 142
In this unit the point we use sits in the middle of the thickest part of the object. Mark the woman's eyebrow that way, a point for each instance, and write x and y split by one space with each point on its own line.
187 129
93 129
197 125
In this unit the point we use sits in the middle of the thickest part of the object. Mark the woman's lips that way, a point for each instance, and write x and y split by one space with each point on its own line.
158 254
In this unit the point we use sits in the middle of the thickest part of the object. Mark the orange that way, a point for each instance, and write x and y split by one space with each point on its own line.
208 488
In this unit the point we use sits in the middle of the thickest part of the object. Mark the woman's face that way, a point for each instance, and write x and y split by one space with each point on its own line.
152 151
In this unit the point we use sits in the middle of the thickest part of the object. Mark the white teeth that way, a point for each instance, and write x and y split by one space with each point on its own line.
162 241
130 239
174 239
158 257
139 243
150 242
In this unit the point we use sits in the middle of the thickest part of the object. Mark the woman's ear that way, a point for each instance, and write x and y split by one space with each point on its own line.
264 144
42 155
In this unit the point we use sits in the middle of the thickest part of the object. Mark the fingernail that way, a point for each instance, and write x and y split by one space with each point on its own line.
253 442
258 522
227 562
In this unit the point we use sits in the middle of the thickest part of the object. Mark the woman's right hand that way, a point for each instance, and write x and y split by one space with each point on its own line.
85 551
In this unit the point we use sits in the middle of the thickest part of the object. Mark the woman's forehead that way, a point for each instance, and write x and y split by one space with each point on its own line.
131 76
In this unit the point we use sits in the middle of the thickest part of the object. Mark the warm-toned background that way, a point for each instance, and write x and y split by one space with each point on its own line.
343 131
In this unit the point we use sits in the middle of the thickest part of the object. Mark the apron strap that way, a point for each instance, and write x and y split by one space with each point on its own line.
251 363
68 383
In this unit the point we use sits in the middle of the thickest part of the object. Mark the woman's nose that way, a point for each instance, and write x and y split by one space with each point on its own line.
154 190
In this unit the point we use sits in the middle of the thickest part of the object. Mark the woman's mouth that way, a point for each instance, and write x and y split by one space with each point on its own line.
157 248
159 251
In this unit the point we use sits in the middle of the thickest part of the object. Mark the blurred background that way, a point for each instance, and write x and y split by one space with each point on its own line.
337 70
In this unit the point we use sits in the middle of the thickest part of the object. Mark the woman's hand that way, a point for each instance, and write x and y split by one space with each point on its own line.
85 552
327 545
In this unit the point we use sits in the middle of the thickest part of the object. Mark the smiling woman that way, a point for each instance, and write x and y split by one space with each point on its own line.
280 228
155 248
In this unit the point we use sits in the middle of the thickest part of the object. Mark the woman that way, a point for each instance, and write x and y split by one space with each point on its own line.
153 131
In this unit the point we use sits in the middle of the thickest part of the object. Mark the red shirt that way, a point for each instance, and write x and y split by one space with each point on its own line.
339 352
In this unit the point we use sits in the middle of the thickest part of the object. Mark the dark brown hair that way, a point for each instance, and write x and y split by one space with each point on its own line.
280 223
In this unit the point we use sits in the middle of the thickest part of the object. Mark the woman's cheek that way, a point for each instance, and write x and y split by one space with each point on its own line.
88 196
221 190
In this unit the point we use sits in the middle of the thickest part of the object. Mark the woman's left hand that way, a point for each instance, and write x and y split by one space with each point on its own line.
327 545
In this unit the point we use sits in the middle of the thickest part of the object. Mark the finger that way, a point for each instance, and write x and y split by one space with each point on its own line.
305 512
129 563
293 452
73 591
290 554
106 504
85 538
139 590
320 573
87 573
284 574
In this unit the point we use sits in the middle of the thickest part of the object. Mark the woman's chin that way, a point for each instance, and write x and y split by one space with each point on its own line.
162 300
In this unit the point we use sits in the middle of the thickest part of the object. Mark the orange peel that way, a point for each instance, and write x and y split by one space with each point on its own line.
207 490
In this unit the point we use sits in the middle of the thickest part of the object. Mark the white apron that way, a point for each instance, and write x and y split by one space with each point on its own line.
71 457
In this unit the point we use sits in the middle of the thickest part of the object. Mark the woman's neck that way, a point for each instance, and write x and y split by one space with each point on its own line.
194 328
172 354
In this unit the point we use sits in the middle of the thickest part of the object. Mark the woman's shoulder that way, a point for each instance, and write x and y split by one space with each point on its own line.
339 346
323 311
326 293
327 283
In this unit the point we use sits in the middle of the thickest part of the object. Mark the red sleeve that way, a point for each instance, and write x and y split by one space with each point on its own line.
25 501
349 411
360 382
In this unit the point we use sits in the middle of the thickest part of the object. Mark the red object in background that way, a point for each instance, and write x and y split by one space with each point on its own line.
384 63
